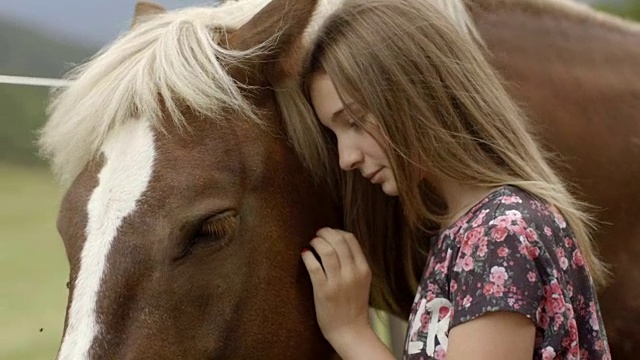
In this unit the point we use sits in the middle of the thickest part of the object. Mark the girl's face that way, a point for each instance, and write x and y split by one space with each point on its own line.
357 147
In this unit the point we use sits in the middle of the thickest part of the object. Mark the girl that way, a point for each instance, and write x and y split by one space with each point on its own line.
412 108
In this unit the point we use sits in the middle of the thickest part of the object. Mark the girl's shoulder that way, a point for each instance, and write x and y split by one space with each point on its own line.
513 208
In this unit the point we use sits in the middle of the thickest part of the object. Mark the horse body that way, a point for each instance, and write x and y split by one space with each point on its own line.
577 74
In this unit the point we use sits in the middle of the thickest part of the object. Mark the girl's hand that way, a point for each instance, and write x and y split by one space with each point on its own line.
341 290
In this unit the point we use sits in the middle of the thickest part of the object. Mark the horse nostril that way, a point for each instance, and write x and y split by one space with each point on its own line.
68 284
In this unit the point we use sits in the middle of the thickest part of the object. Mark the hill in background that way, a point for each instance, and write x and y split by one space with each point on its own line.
27 52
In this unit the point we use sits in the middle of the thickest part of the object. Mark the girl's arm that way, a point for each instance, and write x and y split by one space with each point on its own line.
497 335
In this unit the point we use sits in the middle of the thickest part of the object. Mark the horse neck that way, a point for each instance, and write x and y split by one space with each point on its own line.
579 80
595 52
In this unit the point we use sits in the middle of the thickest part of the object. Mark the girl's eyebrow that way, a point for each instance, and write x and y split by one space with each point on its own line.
341 111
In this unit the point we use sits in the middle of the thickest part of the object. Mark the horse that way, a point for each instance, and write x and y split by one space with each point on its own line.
185 207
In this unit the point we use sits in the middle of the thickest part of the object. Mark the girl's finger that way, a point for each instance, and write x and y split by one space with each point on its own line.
314 268
355 249
328 256
342 248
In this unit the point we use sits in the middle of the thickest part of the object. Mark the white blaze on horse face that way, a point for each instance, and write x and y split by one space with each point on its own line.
128 163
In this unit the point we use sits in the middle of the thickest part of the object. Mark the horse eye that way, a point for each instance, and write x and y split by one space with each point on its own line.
214 233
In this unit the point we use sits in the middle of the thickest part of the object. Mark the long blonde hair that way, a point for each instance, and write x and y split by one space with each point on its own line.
435 98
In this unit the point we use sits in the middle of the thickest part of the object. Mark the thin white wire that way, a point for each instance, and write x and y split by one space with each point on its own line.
33 81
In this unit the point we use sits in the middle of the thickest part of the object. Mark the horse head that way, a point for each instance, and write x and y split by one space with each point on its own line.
185 207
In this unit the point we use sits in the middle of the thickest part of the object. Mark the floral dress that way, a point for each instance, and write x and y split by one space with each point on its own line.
510 252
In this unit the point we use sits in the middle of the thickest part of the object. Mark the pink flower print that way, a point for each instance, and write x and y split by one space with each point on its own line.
466 248
557 304
564 263
480 218
498 290
569 310
553 299
529 250
453 286
543 321
559 252
548 353
518 230
502 221
503 251
558 319
578 260
482 250
568 242
574 352
474 235
547 231
573 331
513 199
440 353
532 276
531 235
483 241
466 263
533 252
467 301
513 215
499 233
570 289
487 289
498 275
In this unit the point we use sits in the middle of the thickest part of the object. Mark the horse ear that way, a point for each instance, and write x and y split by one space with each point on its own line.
144 9
285 19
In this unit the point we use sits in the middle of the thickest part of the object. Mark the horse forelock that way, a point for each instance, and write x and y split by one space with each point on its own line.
568 9
165 64
128 157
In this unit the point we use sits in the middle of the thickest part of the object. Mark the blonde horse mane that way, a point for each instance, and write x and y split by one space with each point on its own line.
169 61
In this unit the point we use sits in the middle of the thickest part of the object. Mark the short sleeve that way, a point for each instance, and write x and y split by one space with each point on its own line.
497 269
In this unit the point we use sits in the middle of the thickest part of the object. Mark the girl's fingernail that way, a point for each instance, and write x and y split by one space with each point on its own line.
304 250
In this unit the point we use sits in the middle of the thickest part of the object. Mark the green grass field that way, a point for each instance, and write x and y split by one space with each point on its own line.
33 266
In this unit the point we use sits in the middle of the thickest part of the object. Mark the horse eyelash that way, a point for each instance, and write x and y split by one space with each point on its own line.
220 227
